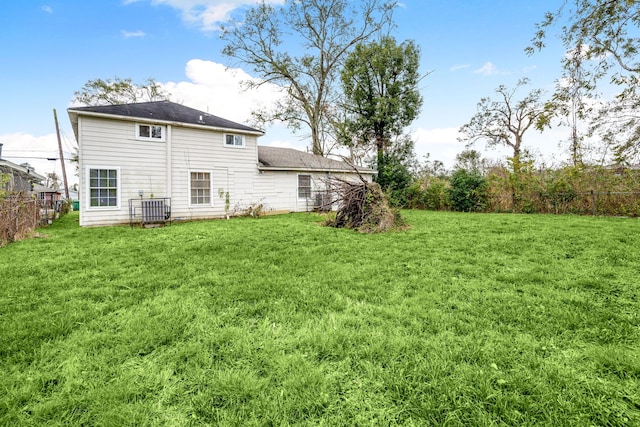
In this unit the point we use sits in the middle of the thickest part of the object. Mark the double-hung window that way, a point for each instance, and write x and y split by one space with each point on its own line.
103 188
150 132
304 186
233 140
200 185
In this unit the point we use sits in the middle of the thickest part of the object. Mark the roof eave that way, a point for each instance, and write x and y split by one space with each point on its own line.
28 172
77 113
307 169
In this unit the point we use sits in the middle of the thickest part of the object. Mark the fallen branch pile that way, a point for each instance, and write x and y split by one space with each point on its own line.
362 206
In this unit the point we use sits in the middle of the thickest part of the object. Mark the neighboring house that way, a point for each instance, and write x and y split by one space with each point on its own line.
21 178
189 164
49 198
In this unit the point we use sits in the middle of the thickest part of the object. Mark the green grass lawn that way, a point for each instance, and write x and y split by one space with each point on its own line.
465 319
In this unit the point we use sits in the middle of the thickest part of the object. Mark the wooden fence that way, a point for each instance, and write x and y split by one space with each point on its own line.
18 218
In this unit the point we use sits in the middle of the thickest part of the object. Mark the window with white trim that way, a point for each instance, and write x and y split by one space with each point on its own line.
200 185
103 188
304 186
150 132
233 140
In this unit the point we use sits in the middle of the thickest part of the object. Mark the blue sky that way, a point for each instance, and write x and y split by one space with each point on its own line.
51 48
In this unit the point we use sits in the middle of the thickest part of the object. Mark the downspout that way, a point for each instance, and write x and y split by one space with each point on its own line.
83 182
169 167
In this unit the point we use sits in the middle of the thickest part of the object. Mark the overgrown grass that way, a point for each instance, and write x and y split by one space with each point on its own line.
465 319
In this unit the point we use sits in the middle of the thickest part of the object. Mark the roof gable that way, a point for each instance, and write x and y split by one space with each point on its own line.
162 111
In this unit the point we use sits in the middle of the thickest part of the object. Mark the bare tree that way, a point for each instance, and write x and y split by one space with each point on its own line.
325 30
505 121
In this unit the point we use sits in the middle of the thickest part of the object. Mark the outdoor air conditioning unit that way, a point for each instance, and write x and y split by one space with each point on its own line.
154 211
323 201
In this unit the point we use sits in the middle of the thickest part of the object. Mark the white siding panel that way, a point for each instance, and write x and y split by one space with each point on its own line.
279 189
196 149
142 165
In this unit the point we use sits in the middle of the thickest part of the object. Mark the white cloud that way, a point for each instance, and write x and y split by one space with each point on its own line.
130 34
46 9
282 144
206 14
216 89
440 143
488 69
459 67
25 148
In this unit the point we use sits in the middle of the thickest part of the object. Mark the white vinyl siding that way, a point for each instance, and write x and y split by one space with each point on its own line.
232 171
141 166
279 190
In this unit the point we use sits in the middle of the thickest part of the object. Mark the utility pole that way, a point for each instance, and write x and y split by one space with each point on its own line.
64 170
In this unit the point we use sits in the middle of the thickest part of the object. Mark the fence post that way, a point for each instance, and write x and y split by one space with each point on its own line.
593 203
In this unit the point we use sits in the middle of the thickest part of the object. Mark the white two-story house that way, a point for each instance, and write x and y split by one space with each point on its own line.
150 160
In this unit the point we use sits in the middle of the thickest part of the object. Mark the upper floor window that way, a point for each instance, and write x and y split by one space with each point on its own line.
150 132
231 140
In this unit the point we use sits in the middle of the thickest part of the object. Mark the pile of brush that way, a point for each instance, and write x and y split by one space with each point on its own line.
362 206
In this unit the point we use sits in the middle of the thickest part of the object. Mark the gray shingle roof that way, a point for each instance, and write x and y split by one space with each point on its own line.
164 111
276 158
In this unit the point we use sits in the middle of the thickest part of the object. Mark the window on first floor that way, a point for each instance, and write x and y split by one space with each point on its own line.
150 132
231 140
200 184
103 187
304 186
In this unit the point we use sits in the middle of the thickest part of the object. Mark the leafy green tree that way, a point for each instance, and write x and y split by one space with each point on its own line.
395 169
603 37
380 84
119 91
506 120
325 31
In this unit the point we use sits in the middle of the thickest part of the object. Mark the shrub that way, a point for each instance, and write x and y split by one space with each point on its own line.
436 196
468 192
394 178
428 193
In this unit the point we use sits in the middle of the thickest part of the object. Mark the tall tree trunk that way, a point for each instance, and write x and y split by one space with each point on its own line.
516 179
316 145
381 150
